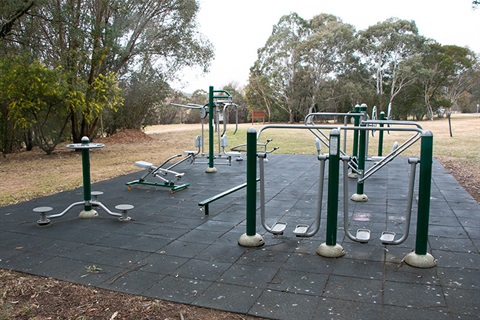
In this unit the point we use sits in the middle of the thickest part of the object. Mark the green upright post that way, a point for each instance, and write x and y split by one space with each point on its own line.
251 181
211 155
356 123
330 248
251 238
380 135
420 257
87 187
360 196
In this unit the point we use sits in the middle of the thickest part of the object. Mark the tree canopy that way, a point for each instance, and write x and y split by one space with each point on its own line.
95 43
324 64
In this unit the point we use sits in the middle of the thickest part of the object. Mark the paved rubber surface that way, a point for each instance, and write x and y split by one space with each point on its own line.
172 251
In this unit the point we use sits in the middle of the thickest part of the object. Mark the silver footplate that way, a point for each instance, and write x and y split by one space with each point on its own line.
387 237
278 228
363 235
301 230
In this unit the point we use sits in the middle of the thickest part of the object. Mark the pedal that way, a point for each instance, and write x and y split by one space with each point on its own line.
363 235
387 237
278 228
301 230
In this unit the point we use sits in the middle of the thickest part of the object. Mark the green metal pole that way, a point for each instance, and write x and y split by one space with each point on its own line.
426 158
361 158
356 123
87 188
420 258
380 135
359 196
251 182
333 180
211 155
251 238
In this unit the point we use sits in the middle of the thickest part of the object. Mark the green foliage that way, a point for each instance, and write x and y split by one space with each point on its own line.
140 106
96 41
35 97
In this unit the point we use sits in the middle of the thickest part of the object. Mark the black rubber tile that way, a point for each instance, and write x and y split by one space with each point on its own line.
76 271
406 274
413 295
16 241
228 297
460 278
221 253
452 244
161 263
105 255
201 236
262 257
299 282
463 302
358 268
177 289
366 290
183 249
132 281
147 243
284 305
451 259
201 270
339 309
310 263
24 261
249 276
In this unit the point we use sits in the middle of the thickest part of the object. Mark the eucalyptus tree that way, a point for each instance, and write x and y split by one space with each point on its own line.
326 53
383 48
433 72
464 66
259 94
279 60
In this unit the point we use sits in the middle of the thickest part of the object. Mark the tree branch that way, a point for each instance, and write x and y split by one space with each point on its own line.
7 27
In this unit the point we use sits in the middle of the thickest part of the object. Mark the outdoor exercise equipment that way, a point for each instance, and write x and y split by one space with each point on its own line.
262 145
387 237
205 203
219 101
162 173
229 154
324 139
88 203
301 230
418 258
362 173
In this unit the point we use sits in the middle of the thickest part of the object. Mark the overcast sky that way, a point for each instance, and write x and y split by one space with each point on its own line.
237 28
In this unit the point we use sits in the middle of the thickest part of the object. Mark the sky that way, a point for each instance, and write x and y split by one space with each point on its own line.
238 28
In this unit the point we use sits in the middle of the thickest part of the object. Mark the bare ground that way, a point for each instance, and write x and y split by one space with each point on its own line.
25 296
